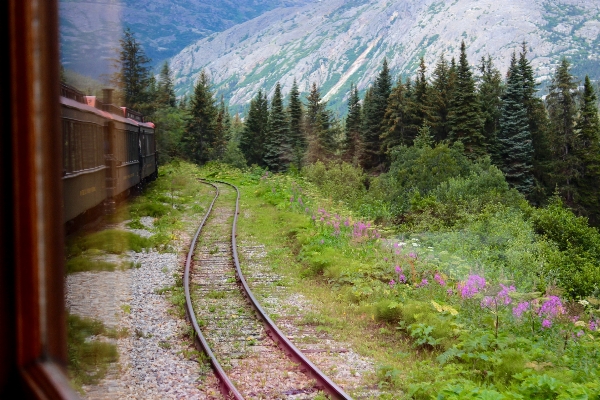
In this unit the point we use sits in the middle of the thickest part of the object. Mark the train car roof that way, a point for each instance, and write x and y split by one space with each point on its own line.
85 107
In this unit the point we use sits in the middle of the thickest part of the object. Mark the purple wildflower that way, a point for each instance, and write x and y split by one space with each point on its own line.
504 294
412 255
423 283
392 283
520 309
322 241
385 259
402 278
398 269
593 325
546 324
347 222
580 333
487 301
438 278
472 286
450 292
552 307
306 210
300 200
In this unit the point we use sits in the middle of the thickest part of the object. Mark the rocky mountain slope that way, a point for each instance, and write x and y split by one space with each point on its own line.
336 42
90 29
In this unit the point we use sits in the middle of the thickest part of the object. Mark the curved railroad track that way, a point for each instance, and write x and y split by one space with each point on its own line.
249 355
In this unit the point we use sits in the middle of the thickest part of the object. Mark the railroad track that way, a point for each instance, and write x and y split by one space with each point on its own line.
250 356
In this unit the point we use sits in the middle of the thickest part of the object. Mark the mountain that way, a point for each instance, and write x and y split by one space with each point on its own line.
90 29
336 42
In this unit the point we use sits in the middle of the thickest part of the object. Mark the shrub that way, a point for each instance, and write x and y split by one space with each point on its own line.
339 180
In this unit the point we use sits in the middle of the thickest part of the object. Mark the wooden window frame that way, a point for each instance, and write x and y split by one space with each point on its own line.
33 352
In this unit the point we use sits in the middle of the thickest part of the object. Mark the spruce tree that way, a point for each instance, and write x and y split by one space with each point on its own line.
133 73
397 128
514 138
464 115
252 139
318 128
441 92
278 144
222 127
423 110
374 109
562 111
296 115
199 137
165 89
352 143
588 153
490 94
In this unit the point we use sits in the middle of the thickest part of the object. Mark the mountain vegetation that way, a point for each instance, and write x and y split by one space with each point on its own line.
458 210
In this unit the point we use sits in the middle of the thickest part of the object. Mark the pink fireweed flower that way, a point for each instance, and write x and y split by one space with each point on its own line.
552 307
322 241
392 283
504 294
347 222
546 324
398 269
423 283
593 325
306 210
438 278
385 259
322 219
520 309
412 255
450 292
580 333
488 302
471 287
402 278
300 200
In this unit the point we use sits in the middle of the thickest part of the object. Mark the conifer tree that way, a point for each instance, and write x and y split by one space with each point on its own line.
514 138
278 144
296 114
318 128
374 108
588 152
222 126
133 73
199 137
352 143
562 111
165 89
397 128
464 115
423 113
252 139
441 93
490 98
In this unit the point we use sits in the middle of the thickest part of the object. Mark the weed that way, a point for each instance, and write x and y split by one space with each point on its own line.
126 308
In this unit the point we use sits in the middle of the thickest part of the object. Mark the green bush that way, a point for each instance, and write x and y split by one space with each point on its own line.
339 180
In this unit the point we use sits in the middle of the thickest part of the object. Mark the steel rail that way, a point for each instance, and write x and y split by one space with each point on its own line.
323 382
225 384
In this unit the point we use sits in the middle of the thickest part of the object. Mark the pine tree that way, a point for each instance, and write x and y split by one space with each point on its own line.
199 137
441 93
464 116
588 152
423 111
562 110
133 73
490 97
397 128
222 127
278 144
252 140
374 109
514 138
352 143
318 128
296 115
165 89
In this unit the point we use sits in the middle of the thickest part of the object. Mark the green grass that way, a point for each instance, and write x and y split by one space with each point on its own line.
89 360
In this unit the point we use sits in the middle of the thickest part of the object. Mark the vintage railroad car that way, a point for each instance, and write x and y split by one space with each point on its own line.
107 152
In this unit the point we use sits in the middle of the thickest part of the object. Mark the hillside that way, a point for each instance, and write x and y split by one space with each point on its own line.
90 30
337 42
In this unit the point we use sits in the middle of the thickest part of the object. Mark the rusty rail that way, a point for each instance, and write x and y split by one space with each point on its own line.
225 384
323 382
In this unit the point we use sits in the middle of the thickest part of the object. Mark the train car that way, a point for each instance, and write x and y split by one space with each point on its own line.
84 130
107 152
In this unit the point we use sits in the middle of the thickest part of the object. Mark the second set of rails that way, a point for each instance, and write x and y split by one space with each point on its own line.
214 272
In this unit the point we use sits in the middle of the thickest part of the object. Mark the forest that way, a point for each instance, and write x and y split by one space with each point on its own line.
463 210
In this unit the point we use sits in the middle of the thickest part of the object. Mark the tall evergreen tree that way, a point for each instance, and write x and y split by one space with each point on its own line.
252 139
278 144
562 111
374 109
133 71
397 123
464 116
222 126
165 89
423 112
296 115
441 94
588 153
318 128
490 98
200 133
514 138
352 143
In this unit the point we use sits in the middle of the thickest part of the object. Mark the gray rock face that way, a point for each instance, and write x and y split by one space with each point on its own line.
336 42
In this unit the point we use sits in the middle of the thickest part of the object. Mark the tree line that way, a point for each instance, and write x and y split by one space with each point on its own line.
544 146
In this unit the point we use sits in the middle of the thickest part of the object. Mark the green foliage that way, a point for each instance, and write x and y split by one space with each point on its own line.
89 359
86 263
111 241
338 180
